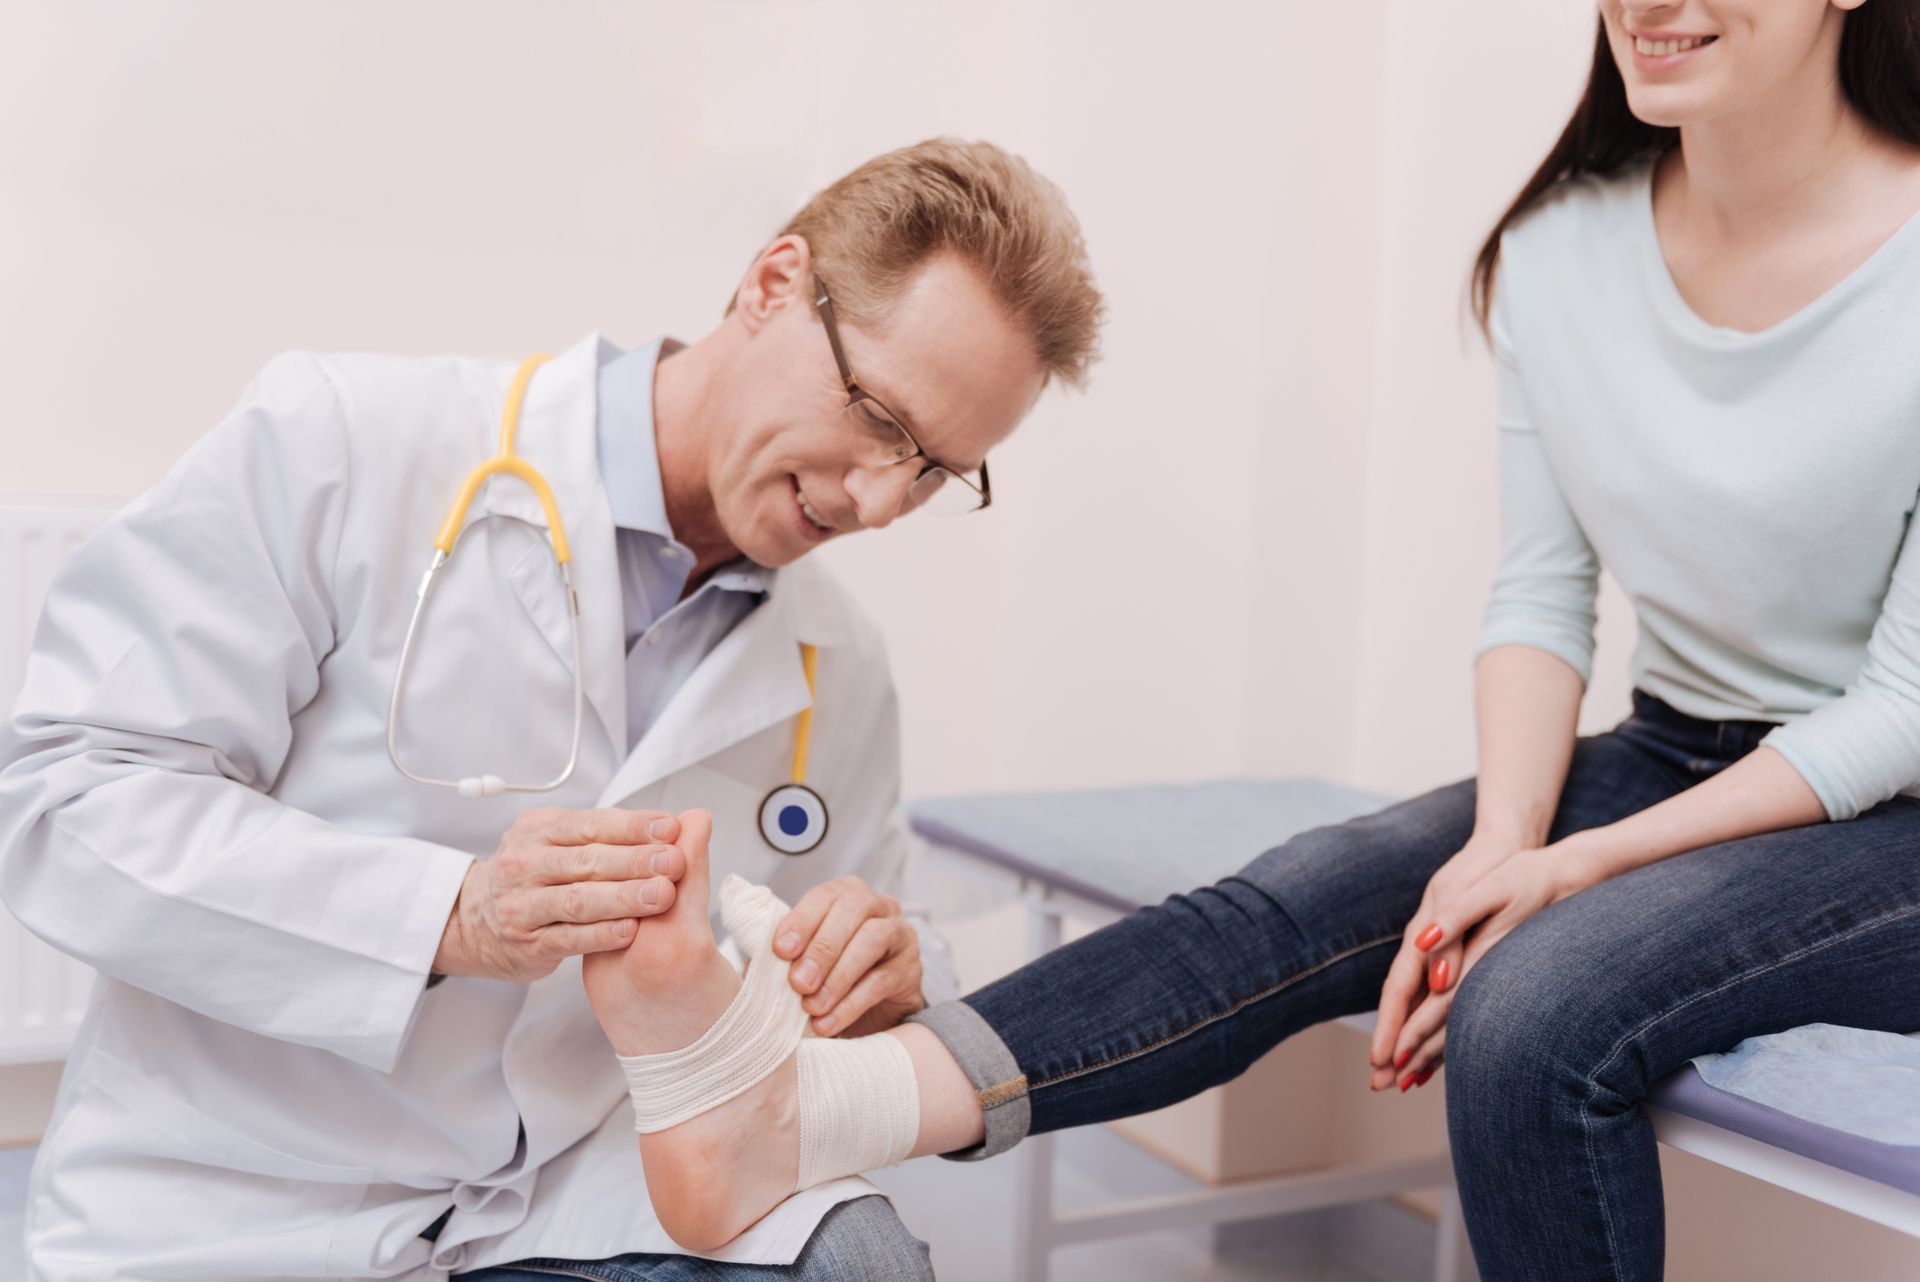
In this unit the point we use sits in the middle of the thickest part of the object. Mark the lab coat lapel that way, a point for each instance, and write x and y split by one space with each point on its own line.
752 680
559 435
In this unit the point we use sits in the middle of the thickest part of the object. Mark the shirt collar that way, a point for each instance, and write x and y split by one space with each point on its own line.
629 462
630 459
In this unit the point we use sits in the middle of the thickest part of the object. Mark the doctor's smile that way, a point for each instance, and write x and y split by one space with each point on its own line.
819 525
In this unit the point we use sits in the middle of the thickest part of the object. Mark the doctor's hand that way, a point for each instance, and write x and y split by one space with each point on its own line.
562 882
855 959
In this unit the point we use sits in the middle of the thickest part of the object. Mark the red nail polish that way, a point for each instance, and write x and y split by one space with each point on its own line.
1401 1061
1440 974
1404 1085
1428 938
1425 1077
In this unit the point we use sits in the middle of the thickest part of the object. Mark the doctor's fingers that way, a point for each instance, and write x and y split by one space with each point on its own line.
560 827
562 865
877 940
891 989
823 921
557 943
594 901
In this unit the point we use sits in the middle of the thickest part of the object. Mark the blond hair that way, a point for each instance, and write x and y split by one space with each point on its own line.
872 229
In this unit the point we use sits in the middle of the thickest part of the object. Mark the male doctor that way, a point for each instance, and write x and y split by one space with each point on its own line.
339 1029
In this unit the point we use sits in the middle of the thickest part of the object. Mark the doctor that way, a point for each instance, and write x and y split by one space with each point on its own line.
339 1029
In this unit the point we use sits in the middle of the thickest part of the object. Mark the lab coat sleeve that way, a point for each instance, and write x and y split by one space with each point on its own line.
138 832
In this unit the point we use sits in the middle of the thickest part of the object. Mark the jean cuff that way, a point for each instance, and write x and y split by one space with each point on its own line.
997 1080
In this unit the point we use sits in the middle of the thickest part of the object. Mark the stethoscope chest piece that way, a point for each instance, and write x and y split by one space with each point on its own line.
793 819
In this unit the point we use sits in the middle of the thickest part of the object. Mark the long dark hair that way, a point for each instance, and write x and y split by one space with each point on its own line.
1879 75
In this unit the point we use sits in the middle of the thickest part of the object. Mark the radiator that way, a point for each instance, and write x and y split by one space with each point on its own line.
42 993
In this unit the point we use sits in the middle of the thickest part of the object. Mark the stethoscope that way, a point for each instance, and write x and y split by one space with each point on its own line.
793 817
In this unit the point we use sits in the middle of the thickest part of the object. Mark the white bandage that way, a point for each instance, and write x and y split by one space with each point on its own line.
752 1037
859 1106
858 1101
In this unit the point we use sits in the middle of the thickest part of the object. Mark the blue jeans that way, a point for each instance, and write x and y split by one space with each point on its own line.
858 1241
1554 1036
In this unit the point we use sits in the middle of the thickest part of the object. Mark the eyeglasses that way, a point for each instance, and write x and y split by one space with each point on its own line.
942 490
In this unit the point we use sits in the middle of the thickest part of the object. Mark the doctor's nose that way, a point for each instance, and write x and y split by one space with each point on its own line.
879 492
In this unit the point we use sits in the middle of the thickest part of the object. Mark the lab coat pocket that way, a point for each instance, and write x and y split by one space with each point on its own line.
166 1126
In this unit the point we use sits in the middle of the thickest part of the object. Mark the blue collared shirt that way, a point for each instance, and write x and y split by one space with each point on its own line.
666 636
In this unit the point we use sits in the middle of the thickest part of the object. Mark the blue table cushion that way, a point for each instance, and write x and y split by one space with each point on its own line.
1124 848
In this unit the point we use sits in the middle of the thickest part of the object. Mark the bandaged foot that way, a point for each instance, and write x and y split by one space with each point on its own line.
737 1103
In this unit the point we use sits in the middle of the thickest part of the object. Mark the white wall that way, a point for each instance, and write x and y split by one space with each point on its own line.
1473 106
194 187
1257 544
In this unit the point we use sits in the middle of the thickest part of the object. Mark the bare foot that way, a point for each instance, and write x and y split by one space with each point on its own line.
714 1175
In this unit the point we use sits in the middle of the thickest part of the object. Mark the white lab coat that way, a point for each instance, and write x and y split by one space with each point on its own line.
195 799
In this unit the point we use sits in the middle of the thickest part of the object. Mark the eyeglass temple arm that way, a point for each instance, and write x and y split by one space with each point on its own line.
824 305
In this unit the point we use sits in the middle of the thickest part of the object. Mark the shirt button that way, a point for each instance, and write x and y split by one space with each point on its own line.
670 553
653 638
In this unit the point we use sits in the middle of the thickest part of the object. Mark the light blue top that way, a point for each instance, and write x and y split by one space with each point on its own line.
1750 491
666 636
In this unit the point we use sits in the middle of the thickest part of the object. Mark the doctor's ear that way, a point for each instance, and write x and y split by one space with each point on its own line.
779 278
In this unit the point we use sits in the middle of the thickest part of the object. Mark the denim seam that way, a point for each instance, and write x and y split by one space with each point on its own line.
554 1271
1593 1077
1228 1013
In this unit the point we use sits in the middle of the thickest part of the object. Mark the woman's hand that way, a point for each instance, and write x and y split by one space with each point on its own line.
1415 969
1469 923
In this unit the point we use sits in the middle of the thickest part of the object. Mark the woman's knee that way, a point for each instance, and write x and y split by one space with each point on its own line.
1522 1020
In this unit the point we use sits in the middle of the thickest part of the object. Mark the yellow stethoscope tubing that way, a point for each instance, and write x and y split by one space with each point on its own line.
503 463
506 461
803 728
777 806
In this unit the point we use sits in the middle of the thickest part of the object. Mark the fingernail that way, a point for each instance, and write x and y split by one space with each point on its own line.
1404 1085
657 864
650 894
1425 1077
663 828
1401 1061
1428 937
1440 974
788 942
807 971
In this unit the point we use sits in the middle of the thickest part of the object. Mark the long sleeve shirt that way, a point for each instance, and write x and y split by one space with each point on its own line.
1751 492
